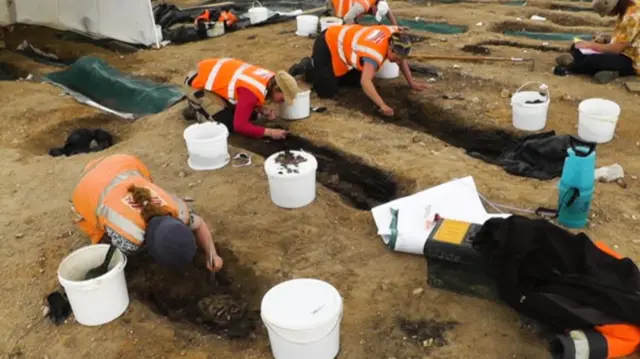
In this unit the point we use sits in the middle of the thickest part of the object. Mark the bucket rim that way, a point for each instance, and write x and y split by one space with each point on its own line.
111 273
271 161
517 103
598 99
225 133
337 315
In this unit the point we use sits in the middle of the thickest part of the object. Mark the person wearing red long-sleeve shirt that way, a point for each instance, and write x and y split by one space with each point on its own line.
246 88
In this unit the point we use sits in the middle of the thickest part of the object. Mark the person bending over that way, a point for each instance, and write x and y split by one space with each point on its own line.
117 202
619 56
349 10
350 55
246 89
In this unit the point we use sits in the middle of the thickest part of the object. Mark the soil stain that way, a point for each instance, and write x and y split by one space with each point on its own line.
9 72
227 305
360 185
428 333
520 45
445 125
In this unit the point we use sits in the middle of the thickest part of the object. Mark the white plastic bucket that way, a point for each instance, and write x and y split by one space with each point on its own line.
100 300
207 145
389 70
303 319
530 116
328 21
597 120
306 25
299 109
295 187
258 14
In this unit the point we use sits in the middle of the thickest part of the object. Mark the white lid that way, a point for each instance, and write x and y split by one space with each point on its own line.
301 304
274 169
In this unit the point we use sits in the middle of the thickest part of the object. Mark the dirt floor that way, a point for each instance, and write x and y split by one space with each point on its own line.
386 313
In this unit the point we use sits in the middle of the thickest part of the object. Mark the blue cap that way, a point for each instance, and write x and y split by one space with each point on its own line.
170 242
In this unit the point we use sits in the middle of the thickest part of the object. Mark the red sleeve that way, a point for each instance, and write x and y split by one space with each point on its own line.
247 103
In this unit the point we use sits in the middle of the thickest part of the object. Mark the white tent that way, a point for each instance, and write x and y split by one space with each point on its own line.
129 21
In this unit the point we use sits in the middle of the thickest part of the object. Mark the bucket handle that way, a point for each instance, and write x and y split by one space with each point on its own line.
307 342
574 142
253 4
543 87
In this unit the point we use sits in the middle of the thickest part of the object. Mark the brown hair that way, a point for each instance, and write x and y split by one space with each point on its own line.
142 197
621 7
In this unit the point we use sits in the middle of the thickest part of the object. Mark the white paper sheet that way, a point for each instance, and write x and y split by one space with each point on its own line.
457 199
589 52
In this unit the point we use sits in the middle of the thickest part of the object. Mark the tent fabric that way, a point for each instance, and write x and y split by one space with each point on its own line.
129 21
92 81
417 25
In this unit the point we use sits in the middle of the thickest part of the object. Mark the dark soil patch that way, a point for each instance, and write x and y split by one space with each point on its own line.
10 72
39 142
446 125
522 46
360 185
227 306
571 8
428 333
501 27
476 49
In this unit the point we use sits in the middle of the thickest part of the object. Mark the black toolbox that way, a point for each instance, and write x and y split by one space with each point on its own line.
453 264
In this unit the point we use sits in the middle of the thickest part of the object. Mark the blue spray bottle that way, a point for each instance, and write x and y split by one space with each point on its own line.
575 190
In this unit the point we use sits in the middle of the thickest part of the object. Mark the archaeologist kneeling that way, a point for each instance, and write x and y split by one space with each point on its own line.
350 55
618 56
349 11
246 89
118 202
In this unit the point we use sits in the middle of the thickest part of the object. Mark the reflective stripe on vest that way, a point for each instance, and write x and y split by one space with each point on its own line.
355 47
120 221
238 75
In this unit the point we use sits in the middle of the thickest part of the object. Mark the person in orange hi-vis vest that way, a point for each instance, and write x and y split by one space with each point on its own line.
350 10
350 55
246 89
116 201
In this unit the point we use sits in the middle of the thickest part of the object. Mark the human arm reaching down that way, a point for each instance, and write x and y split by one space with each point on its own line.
369 70
204 240
406 72
245 106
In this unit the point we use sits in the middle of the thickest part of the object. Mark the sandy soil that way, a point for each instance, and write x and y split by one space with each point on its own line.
328 239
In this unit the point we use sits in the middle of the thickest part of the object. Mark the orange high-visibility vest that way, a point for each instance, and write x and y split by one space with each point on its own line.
205 16
101 198
603 341
224 76
349 43
342 7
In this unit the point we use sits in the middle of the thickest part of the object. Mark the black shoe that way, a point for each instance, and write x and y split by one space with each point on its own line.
301 67
561 71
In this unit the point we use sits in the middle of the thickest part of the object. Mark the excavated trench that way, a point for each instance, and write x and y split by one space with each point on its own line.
541 31
519 45
360 185
226 305
9 72
446 125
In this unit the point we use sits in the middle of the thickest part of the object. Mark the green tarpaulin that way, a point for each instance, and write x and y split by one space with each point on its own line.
92 81
548 36
419 25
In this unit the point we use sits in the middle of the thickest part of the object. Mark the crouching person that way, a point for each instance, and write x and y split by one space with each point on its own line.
618 56
117 202
350 55
246 89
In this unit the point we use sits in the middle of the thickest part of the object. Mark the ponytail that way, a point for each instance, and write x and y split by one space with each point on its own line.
142 198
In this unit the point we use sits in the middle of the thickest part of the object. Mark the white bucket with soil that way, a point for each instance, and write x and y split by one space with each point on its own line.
303 319
530 108
258 14
389 70
328 21
597 120
99 300
299 109
207 145
306 25
292 178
